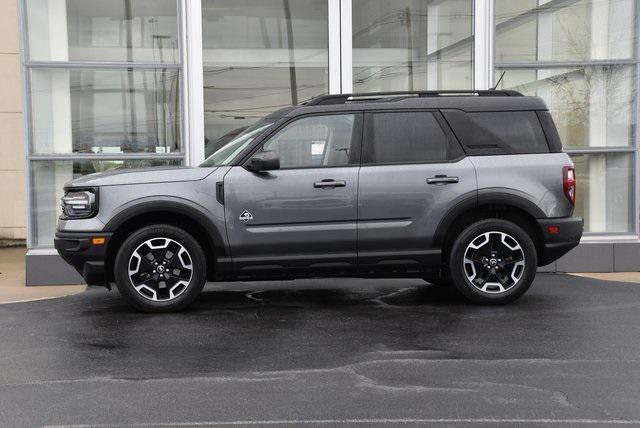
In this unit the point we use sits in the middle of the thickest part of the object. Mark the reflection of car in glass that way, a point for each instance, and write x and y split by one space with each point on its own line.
472 191
210 147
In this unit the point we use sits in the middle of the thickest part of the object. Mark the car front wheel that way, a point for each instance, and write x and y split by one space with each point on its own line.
160 268
492 262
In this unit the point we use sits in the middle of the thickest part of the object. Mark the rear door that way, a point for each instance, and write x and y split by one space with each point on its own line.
302 216
413 171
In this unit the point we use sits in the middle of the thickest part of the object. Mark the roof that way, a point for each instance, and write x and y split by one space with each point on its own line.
462 100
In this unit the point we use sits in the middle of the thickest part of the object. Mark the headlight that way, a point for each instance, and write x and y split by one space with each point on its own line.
79 203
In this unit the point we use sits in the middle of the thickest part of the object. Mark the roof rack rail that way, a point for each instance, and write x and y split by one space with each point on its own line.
387 96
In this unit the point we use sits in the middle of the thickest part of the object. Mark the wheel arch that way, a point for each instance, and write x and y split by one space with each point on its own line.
508 206
190 217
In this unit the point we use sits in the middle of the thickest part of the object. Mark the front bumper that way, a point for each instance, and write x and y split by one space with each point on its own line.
77 249
566 236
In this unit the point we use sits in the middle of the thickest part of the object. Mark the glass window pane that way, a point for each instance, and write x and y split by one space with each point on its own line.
405 137
591 106
236 143
412 45
105 111
495 133
99 30
48 179
259 56
314 142
564 31
516 30
604 195
520 131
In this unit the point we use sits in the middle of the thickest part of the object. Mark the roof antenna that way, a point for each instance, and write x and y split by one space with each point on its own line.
499 80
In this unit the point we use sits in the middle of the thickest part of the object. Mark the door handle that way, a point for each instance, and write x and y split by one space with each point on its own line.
442 179
329 183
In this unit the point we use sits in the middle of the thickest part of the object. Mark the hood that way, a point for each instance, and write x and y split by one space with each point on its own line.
124 176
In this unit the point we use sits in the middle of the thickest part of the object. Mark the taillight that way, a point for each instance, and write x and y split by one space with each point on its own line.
569 183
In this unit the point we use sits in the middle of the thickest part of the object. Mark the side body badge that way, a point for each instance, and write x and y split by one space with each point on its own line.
246 216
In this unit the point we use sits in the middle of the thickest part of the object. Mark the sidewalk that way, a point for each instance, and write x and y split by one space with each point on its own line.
613 276
12 288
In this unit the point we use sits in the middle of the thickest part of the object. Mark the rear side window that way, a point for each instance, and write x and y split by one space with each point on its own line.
495 133
404 137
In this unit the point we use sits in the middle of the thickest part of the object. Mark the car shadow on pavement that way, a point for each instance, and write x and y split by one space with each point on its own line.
312 294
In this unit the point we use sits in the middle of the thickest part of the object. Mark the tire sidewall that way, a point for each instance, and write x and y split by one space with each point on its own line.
121 270
456 267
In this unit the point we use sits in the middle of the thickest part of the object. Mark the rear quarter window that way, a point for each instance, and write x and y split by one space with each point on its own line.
497 133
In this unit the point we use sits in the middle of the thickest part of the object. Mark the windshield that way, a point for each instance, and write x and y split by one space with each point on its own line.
225 154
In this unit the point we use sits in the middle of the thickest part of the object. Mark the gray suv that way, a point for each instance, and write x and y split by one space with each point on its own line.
467 189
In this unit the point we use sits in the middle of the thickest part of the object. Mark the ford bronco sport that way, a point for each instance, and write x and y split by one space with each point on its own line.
467 189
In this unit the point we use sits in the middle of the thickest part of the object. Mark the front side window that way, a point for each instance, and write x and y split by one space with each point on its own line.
405 137
317 141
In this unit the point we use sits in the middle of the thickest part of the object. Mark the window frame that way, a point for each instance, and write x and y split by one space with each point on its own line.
356 140
27 64
452 141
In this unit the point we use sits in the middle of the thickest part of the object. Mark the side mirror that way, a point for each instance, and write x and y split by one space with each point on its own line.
263 161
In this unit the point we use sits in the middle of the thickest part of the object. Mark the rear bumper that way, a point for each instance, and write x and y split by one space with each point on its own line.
556 245
88 259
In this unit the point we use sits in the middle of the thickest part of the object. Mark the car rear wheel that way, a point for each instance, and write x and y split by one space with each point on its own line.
492 262
160 268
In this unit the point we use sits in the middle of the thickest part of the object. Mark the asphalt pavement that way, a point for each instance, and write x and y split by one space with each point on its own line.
336 352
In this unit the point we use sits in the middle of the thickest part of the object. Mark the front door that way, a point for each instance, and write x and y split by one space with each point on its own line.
303 215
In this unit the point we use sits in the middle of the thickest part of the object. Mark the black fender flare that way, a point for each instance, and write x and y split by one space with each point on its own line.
484 198
175 205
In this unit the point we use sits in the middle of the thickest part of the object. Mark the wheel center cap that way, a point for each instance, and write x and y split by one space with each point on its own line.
493 262
160 269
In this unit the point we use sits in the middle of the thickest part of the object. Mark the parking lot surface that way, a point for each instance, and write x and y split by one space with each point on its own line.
337 352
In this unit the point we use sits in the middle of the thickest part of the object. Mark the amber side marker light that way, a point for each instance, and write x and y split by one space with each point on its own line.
553 230
98 241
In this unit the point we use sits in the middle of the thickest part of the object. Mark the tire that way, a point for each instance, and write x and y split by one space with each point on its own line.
160 268
492 262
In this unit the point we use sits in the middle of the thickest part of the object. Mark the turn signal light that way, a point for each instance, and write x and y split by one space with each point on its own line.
98 241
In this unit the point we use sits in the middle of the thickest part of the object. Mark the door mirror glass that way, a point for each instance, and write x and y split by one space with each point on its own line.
263 161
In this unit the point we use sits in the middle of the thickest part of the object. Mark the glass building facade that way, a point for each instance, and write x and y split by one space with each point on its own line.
581 58
133 83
